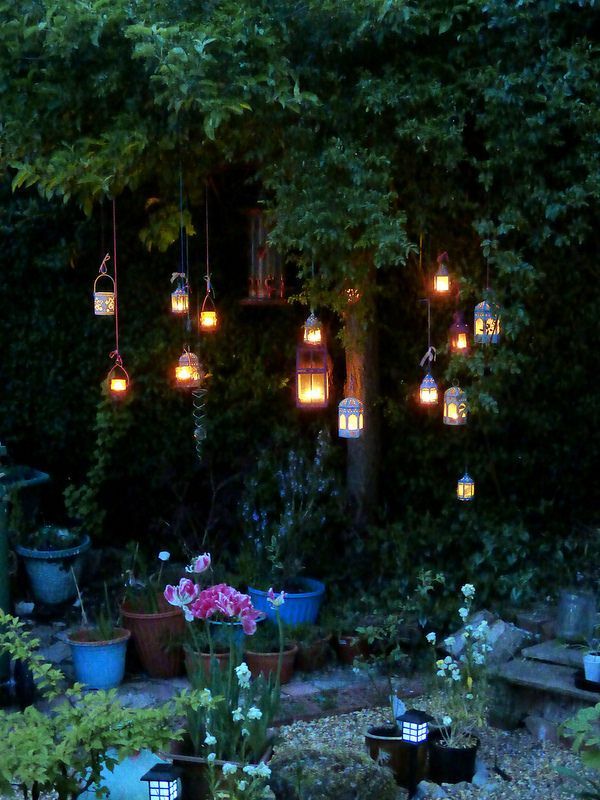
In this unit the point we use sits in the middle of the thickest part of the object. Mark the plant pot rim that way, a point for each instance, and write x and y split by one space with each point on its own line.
290 649
592 654
440 743
192 652
314 589
122 636
54 555
370 733
126 612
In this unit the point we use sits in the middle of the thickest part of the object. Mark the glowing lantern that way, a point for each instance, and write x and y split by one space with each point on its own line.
180 300
313 331
441 279
163 782
104 300
465 489
428 391
487 324
350 418
455 406
188 373
312 382
118 379
414 726
459 334
208 315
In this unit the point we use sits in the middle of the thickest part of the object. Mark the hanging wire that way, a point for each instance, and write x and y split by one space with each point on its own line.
209 289
431 353
114 221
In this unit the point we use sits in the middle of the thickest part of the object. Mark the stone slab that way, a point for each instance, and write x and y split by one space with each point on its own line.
555 652
550 678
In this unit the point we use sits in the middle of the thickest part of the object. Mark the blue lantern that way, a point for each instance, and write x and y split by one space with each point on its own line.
351 419
465 489
428 391
456 407
487 324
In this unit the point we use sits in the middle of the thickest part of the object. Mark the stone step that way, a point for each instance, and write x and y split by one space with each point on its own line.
549 678
556 652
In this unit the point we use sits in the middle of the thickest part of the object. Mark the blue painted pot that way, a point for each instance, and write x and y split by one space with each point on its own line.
99 665
299 608
222 632
49 571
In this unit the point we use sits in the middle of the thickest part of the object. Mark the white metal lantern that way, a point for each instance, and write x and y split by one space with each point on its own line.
487 324
313 331
104 298
351 418
414 726
188 372
465 489
163 782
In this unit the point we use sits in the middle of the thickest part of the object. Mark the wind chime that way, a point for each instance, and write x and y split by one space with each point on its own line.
208 313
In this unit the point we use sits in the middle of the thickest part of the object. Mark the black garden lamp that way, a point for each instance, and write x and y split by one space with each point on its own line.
163 782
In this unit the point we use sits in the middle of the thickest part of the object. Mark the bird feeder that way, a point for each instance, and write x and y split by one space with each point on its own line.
163 782
487 324
313 331
350 418
312 381
188 372
441 279
455 406
104 299
465 489
459 334
428 391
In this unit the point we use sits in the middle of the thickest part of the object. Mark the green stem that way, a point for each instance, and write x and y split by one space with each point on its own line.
280 659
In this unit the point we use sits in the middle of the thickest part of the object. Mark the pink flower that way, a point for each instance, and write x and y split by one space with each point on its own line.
199 564
275 600
227 602
182 596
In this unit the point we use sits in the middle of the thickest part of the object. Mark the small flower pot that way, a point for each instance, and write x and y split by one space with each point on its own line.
49 571
452 764
299 607
266 663
196 662
407 761
99 665
591 667
157 638
350 646
311 657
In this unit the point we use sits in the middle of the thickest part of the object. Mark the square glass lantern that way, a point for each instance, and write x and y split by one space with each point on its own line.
312 378
163 782
414 726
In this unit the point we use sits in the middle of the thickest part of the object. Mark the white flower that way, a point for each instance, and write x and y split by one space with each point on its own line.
469 696
455 675
237 715
250 769
245 732
468 590
446 721
431 637
261 770
229 769
254 713
449 641
164 555
464 612
448 660
478 658
241 785
440 673
211 757
243 675
209 739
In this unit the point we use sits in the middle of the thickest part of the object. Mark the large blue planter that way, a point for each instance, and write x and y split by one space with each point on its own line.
49 571
299 608
99 665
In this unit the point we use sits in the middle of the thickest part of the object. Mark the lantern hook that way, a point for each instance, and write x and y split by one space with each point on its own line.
429 356
103 269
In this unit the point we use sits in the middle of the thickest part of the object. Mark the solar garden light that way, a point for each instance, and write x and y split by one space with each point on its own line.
414 730
163 782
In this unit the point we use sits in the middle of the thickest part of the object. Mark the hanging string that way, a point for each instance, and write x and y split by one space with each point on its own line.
431 353
207 277
114 221
487 277
421 253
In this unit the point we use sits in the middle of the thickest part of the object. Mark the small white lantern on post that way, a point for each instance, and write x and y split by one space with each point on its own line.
163 782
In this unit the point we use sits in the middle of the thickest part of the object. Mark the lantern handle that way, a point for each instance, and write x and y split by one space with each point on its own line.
104 275
206 300
102 269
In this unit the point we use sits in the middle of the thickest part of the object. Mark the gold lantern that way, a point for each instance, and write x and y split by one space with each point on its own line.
188 372
465 489
428 391
104 299
180 299
351 418
455 406
208 315
313 331
118 379
459 334
441 279
312 378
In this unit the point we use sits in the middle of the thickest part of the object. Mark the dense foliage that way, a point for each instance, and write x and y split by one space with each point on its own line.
366 124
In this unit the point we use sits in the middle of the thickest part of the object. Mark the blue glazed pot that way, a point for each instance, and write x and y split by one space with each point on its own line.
99 665
299 608
221 633
49 571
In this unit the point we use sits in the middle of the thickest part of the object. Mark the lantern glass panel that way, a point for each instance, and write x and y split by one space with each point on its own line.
465 489
208 320
487 324
414 732
455 406
163 790
312 382
441 283
118 385
180 301
428 392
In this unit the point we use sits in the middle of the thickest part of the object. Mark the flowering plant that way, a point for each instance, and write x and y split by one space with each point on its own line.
462 679
142 585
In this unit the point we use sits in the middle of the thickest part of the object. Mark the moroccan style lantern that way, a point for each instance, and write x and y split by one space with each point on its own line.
188 372
428 391
465 489
350 418
118 379
163 782
104 299
312 379
455 406
313 331
458 334
487 324
180 298
441 279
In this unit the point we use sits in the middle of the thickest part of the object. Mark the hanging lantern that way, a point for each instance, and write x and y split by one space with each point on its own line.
351 419
104 299
312 382
441 279
180 298
163 782
487 324
428 391
465 489
208 315
313 331
118 379
459 334
455 406
188 372
266 280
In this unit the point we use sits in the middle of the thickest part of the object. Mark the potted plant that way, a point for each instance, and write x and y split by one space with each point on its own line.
62 750
99 650
285 509
230 744
157 628
463 687
591 661
270 651
348 644
314 646
53 558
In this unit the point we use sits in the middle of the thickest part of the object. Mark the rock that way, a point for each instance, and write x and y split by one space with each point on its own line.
427 790
535 620
24 609
542 729
56 653
505 639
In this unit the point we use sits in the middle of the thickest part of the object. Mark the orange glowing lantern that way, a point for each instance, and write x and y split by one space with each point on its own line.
118 379
180 299
459 334
465 489
428 391
313 331
312 379
208 315
188 372
441 279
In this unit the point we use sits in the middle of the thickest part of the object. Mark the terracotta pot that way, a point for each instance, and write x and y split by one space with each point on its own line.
266 663
350 646
157 638
201 661
313 656
407 761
